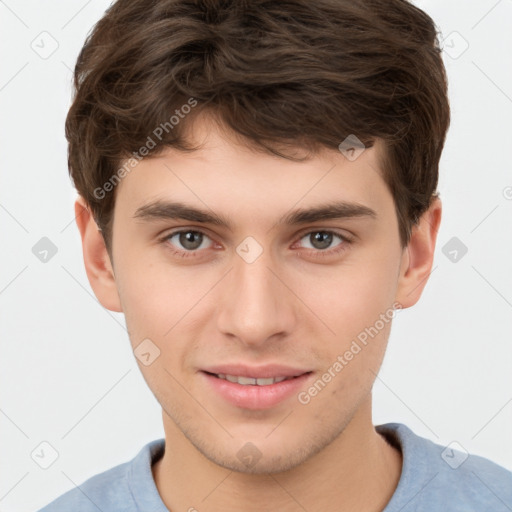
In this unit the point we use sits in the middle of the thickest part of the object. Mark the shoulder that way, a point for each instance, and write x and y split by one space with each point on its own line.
107 489
112 489
441 477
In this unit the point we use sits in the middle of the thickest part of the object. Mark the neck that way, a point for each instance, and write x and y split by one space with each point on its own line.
358 471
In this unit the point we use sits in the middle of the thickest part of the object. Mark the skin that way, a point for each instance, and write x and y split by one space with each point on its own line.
290 306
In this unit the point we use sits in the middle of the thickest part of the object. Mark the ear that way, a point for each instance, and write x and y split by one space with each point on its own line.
418 256
98 266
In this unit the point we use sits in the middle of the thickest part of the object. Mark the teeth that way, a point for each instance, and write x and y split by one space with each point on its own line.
246 380
250 381
265 382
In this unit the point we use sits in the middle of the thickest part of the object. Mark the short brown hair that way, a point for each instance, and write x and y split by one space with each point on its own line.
281 74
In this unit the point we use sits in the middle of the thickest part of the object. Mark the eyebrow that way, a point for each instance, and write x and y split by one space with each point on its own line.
160 209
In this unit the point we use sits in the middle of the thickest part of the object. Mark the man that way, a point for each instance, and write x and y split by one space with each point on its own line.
257 188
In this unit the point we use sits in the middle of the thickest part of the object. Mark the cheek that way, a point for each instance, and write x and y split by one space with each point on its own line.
352 297
148 305
162 303
357 305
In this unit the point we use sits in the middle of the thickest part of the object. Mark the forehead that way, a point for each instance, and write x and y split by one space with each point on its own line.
227 174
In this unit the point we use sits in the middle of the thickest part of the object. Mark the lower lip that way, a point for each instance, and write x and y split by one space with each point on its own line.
253 396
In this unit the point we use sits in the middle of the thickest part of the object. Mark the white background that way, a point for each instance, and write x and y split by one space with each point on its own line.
68 376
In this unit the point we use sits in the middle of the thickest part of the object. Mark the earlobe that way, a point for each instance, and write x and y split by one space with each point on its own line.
96 258
418 257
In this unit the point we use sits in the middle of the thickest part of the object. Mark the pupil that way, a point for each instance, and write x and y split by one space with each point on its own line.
321 240
189 239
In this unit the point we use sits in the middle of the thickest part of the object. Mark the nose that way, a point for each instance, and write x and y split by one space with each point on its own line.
256 308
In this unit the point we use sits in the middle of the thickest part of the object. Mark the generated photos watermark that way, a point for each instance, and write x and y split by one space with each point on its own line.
137 156
305 397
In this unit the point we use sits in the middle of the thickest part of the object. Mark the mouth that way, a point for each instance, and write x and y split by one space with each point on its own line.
255 389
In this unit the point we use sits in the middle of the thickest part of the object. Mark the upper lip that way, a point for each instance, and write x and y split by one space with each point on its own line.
257 372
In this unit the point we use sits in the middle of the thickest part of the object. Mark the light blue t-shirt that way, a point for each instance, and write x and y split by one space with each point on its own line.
434 479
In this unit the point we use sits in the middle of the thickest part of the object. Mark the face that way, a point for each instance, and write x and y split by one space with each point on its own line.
260 285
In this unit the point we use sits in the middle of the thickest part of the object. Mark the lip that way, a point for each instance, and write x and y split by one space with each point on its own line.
254 397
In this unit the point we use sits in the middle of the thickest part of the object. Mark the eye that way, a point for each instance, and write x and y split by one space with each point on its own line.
190 242
187 240
320 239
321 242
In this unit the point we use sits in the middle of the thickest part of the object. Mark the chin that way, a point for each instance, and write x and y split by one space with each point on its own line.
264 466
261 456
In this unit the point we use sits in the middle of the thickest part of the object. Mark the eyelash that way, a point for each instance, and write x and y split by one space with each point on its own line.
318 252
